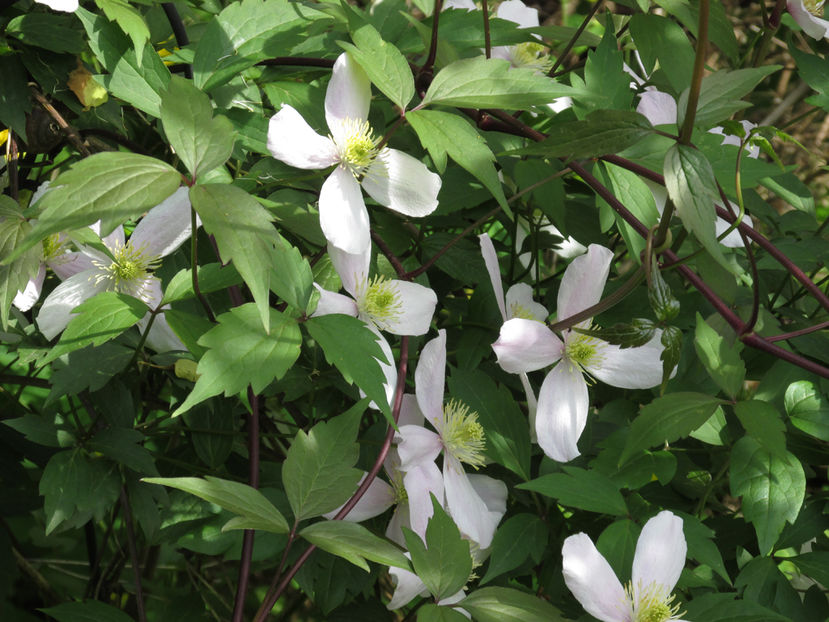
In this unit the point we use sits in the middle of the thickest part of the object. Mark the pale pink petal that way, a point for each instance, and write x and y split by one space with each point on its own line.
520 303
493 492
417 306
292 141
69 264
402 183
399 519
352 268
165 227
57 309
416 446
429 379
660 553
812 25
562 412
343 214
115 239
29 295
526 345
388 368
331 302
519 13
494 271
421 483
657 107
532 404
502 52
583 281
407 586
629 368
465 505
161 337
592 581
348 96
378 498
467 5
410 412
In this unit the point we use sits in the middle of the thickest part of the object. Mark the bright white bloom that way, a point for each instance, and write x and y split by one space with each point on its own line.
657 564
460 438
68 6
527 345
128 271
568 248
391 177
807 15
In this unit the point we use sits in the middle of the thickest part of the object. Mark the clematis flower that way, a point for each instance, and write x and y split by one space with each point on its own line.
67 6
807 15
527 345
392 178
528 54
657 564
460 438
128 271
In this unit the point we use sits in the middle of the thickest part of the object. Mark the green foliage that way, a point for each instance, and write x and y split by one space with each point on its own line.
14 275
88 611
519 538
721 359
355 543
503 604
586 490
808 409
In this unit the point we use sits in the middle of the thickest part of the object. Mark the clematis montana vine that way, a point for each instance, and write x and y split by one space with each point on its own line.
67 6
128 271
392 178
460 438
807 14
527 345
657 564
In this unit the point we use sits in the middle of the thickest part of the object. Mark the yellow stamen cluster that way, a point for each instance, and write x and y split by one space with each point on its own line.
463 436
128 271
582 350
53 247
815 7
517 310
532 56
358 147
653 605
381 301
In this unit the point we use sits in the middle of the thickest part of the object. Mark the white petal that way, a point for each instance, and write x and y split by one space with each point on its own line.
115 239
569 247
429 379
730 139
417 306
519 13
399 519
592 581
343 215
165 227
659 108
348 95
331 302
294 142
631 368
57 309
402 183
407 586
562 412
417 446
502 52
520 303
467 5
378 498
352 268
493 492
69 6
409 412
660 553
388 368
526 345
465 505
494 271
421 483
532 404
813 26
161 337
733 239
69 264
29 295
583 281
660 194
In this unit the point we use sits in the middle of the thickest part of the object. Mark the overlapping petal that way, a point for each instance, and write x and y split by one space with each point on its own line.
429 380
343 214
526 345
294 142
583 281
592 581
417 446
563 403
812 25
402 183
520 303
56 311
465 505
660 553
347 97
629 368
417 306
332 302
166 226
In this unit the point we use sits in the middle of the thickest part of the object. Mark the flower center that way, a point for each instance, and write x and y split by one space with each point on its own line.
358 147
814 7
381 301
653 605
582 350
53 247
463 436
517 310
532 56
128 270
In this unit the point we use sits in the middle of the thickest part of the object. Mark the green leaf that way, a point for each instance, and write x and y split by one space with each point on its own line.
586 490
436 613
244 235
234 497
701 546
137 77
97 320
665 306
385 66
520 537
504 604
660 38
724 608
58 33
772 489
814 564
77 489
601 132
763 423
691 185
240 353
352 348
355 543
667 419
129 19
720 29
442 134
606 85
617 544
633 334
201 140
247 32
671 341
808 409
123 445
491 83
89 369
212 277
291 276
318 473
721 359
15 275
15 101
111 187
812 69
87 611
444 562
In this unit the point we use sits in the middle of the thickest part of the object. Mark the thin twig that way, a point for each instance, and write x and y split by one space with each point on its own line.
574 39
71 133
179 31
133 550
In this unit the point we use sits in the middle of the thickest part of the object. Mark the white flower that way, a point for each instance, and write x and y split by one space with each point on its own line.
657 564
805 13
460 438
528 54
128 271
527 345
68 6
391 177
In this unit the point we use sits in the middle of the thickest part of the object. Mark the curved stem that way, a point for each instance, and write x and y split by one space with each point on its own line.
572 42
